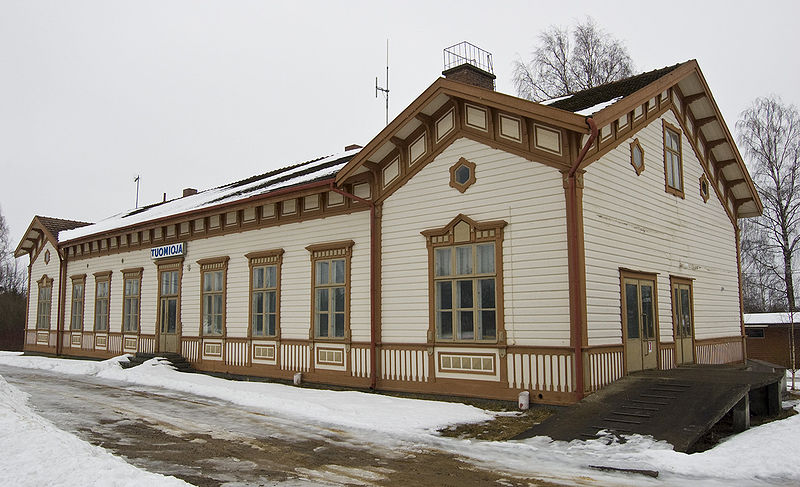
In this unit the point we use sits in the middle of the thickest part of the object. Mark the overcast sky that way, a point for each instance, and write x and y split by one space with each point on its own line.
200 93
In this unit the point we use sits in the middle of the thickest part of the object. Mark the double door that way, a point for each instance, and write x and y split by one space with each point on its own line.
639 323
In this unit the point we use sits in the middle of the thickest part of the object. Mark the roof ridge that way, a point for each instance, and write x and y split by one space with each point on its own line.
589 97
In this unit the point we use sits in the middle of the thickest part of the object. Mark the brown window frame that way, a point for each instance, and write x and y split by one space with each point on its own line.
668 127
462 187
131 275
456 234
102 277
258 260
626 274
44 303
674 283
207 266
636 144
705 193
76 322
332 251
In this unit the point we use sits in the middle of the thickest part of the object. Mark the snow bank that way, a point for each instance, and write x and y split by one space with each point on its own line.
36 453
350 409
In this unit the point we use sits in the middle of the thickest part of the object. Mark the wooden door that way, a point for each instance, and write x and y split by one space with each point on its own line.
683 320
169 312
639 325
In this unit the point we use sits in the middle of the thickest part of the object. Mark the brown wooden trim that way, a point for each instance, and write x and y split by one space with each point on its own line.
670 189
77 279
674 281
461 187
132 273
214 264
265 258
445 237
640 169
645 276
102 276
319 252
170 265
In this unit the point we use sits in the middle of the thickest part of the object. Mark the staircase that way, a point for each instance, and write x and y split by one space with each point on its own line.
176 360
679 405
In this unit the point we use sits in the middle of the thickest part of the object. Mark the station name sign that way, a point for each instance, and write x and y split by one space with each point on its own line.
167 251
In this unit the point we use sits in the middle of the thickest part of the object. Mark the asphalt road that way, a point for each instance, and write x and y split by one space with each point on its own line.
209 442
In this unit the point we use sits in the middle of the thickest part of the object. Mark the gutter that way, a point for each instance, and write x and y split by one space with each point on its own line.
573 228
148 223
373 282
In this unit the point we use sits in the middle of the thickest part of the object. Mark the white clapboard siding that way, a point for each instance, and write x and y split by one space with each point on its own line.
295 277
527 195
38 270
631 222
115 263
293 238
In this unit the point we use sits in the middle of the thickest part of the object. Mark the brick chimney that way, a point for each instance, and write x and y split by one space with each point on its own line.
467 63
189 192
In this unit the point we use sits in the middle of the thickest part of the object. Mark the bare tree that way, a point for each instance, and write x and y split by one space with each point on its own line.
560 67
769 133
12 293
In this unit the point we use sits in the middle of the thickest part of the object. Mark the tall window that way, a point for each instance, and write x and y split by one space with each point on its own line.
44 301
331 270
132 294
466 281
673 163
102 296
213 276
466 302
76 308
264 292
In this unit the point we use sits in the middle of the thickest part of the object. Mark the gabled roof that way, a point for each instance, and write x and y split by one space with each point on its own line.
582 101
260 186
47 227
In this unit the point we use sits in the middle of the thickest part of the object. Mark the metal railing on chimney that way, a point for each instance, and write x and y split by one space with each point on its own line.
466 53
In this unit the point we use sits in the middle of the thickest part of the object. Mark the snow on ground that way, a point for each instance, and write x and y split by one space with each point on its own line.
37 453
763 455
342 408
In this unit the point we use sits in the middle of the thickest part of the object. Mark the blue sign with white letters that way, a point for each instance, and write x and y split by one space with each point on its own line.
167 251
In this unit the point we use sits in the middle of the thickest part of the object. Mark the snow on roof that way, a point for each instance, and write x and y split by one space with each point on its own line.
596 108
286 177
755 319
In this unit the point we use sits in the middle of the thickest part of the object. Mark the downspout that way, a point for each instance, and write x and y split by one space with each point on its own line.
62 290
373 341
572 218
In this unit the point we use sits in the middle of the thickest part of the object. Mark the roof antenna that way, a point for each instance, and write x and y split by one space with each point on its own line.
136 180
386 89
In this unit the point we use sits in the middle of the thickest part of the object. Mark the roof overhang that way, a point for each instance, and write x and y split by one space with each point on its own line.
697 99
427 103
33 235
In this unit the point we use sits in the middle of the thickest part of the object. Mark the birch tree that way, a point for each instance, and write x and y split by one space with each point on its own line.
769 134
569 60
